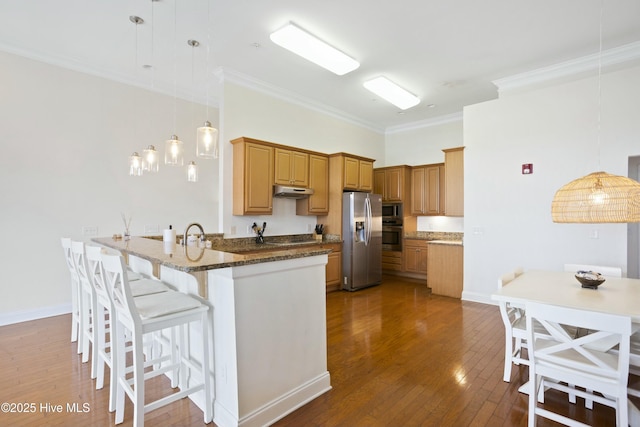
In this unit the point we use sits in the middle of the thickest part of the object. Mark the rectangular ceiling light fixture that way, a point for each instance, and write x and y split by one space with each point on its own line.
304 44
391 92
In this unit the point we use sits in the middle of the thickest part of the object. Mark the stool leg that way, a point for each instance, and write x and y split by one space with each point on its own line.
208 404
100 345
119 360
138 381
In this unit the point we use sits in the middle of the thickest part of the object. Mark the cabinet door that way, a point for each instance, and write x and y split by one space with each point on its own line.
258 187
410 259
333 269
432 196
418 190
291 168
318 202
379 183
454 181
394 184
300 169
351 173
366 176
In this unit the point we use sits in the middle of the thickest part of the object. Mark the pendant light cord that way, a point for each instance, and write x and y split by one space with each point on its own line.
598 130
175 66
206 68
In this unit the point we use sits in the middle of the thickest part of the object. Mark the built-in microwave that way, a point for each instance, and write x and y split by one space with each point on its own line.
392 211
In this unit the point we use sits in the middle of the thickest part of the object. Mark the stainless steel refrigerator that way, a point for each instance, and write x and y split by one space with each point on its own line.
362 233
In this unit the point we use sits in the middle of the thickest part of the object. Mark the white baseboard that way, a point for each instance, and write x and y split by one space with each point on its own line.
34 314
478 297
276 409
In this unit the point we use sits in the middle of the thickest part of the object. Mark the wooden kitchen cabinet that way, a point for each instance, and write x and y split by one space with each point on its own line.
334 266
415 256
291 168
427 189
454 181
393 183
318 202
357 173
445 267
392 260
253 177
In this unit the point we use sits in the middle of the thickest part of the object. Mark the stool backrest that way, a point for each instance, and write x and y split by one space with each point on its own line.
114 274
80 262
94 259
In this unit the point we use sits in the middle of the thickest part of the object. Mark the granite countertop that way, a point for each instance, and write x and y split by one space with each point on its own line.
438 237
193 258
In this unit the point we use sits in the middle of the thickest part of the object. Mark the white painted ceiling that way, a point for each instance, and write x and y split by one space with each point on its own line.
447 52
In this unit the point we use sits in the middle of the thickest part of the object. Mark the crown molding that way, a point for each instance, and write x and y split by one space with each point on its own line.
236 77
619 55
434 121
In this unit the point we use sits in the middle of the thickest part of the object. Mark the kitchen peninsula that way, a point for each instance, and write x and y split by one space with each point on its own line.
269 320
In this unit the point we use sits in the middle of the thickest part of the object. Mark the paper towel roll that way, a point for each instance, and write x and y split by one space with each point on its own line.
169 247
169 235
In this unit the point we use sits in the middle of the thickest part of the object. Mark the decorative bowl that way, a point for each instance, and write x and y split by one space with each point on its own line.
590 279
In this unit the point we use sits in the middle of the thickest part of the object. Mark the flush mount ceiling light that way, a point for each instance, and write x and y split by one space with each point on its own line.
298 41
391 92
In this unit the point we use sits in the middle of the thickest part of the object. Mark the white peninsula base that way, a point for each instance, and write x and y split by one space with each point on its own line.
269 337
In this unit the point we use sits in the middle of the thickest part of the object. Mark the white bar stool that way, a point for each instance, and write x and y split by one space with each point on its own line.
146 314
105 312
75 303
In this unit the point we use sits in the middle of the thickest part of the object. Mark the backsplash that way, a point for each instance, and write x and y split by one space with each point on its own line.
434 235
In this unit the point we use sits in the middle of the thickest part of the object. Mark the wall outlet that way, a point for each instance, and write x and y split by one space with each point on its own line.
310 228
232 230
90 230
249 230
151 229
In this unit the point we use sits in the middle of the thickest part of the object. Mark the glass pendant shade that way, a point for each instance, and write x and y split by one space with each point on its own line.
150 161
597 198
207 141
192 172
173 153
135 165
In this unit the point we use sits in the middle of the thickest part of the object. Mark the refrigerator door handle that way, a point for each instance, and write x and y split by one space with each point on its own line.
369 220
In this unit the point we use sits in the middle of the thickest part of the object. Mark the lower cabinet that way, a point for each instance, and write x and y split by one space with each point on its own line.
445 266
392 260
334 266
415 256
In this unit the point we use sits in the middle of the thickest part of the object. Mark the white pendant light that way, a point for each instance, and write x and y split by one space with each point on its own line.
192 172
150 161
207 141
173 152
135 165
207 135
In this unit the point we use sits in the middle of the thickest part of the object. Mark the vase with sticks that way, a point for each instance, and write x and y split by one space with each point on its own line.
127 224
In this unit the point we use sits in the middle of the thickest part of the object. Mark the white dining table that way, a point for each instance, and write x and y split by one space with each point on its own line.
615 296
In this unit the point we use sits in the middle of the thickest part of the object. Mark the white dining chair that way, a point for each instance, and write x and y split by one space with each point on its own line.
147 314
558 358
75 291
515 330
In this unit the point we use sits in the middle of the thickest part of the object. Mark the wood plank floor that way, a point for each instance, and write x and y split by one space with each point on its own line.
397 356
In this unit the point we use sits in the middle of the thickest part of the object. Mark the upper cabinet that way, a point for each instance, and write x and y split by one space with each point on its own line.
291 168
357 173
393 183
318 202
454 181
427 190
253 177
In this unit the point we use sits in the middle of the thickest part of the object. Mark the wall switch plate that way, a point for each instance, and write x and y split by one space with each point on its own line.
593 234
151 229
232 230
90 230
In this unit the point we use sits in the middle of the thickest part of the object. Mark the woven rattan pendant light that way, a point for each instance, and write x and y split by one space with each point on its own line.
598 197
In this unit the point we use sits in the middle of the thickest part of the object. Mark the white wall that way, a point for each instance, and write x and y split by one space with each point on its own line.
507 214
258 115
66 139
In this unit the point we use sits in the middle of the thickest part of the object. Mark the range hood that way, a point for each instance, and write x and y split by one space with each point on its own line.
284 191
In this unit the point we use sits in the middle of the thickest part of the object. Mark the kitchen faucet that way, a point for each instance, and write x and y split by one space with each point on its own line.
186 232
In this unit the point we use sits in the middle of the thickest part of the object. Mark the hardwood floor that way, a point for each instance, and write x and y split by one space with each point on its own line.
397 356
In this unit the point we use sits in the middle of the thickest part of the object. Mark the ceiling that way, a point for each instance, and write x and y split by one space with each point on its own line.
446 52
